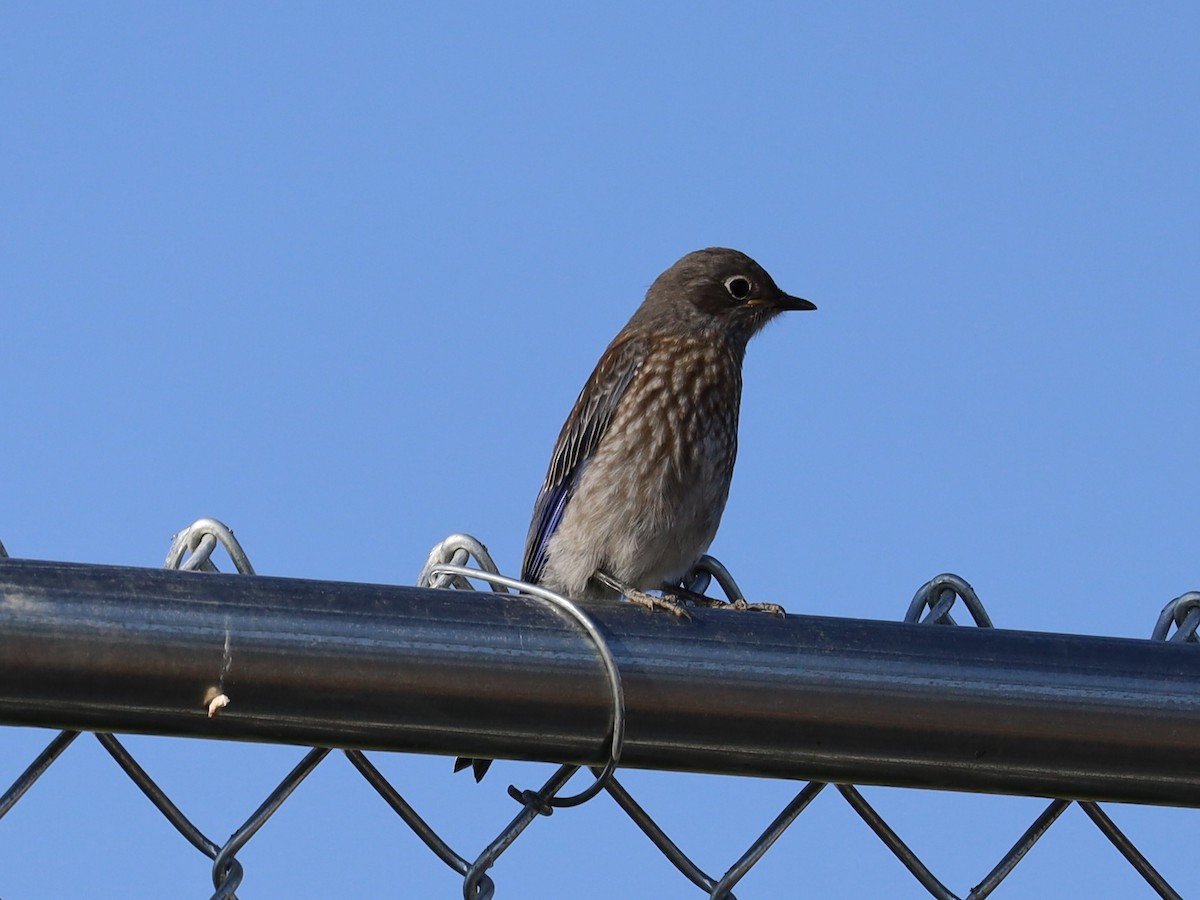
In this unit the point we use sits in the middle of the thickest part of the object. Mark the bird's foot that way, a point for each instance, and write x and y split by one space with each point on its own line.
698 599
669 602
773 608
693 597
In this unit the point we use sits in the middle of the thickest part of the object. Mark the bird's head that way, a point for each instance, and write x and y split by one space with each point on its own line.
715 291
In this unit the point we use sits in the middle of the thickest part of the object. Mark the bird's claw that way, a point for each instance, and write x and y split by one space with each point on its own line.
671 604
773 608
739 603
696 599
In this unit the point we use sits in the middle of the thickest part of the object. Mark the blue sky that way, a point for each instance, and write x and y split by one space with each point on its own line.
335 276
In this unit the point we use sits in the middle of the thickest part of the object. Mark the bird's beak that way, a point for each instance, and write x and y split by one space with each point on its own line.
786 301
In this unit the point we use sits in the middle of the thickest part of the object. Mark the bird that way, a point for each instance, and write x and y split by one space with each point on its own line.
640 474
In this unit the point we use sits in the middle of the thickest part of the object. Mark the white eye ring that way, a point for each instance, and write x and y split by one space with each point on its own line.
740 287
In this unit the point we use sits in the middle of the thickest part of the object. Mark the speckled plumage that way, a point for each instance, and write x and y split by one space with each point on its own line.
640 473
648 503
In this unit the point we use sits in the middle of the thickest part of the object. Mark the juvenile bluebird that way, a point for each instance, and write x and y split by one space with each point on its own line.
640 473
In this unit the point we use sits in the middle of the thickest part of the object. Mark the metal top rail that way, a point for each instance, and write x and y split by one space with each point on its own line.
480 674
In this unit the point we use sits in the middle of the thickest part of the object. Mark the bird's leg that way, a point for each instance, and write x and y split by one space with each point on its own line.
670 603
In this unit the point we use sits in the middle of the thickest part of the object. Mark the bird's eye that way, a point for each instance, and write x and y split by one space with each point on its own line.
739 288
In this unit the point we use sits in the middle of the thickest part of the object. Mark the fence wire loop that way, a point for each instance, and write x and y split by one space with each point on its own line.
606 658
459 550
702 574
939 594
693 585
1184 613
200 539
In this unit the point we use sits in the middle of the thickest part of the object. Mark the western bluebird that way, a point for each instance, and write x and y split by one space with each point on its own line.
640 473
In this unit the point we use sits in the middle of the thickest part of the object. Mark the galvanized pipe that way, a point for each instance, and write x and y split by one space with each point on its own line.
107 648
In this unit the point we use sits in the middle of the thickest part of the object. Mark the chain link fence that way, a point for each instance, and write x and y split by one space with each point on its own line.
460 560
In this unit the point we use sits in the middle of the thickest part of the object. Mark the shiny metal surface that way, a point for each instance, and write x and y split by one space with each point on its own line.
437 671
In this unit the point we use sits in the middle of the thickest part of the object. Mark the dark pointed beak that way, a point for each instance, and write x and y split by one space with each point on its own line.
787 301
